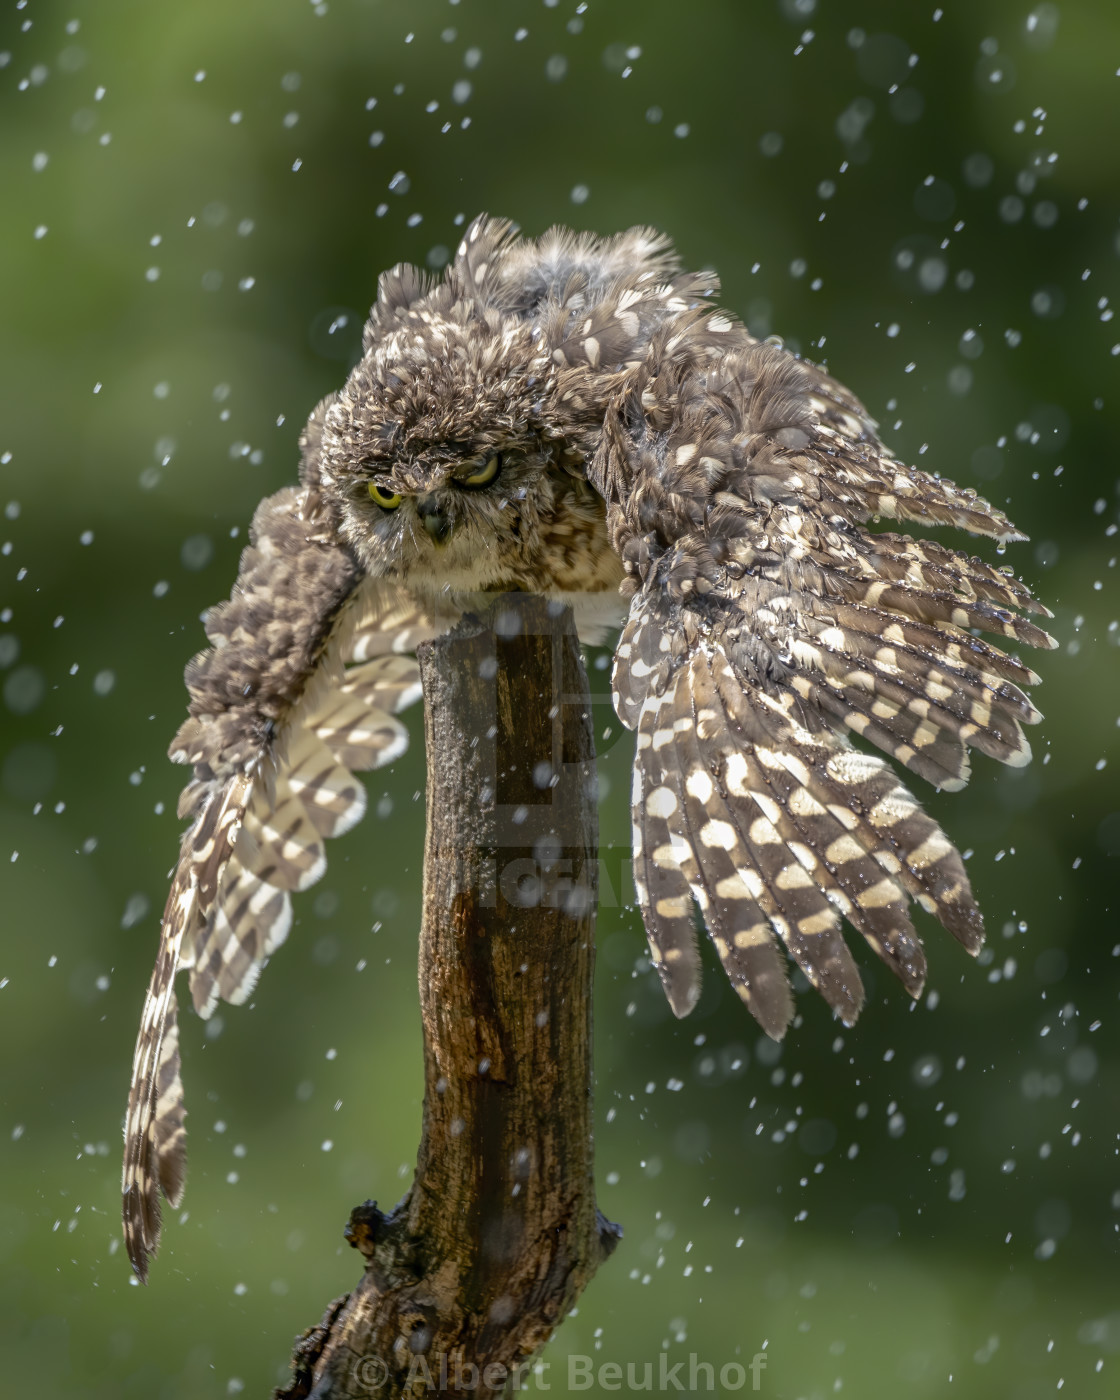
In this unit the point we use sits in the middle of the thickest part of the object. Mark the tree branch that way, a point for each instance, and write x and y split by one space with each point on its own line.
468 1276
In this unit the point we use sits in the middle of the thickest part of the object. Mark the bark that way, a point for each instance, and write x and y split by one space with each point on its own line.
468 1276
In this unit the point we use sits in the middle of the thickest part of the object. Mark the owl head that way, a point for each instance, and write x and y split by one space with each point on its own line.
479 397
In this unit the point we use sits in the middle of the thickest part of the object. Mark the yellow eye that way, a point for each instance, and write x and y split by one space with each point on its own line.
387 500
484 475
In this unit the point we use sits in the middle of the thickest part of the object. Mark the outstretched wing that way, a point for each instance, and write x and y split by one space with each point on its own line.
300 689
766 622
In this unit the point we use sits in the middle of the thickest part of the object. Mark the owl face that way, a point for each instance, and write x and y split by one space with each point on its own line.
466 516
440 453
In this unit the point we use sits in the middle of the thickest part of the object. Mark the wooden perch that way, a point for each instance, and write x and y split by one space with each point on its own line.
469 1275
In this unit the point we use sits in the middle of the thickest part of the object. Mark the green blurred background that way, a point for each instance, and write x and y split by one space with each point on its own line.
197 202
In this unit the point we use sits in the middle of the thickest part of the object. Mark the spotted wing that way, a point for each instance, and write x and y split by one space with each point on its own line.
154 1135
300 690
767 623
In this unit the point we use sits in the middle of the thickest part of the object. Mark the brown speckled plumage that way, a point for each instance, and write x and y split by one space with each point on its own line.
572 416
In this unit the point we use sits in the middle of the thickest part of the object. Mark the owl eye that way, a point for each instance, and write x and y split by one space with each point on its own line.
484 475
387 500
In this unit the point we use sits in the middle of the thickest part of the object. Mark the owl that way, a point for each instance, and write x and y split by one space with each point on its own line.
575 417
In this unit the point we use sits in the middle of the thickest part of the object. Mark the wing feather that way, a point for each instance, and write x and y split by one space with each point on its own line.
766 622
761 801
155 1151
278 721
742 911
658 852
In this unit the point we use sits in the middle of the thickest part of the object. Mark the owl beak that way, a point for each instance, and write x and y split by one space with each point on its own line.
433 519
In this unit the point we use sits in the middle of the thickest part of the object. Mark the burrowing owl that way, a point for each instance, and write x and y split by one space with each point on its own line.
573 416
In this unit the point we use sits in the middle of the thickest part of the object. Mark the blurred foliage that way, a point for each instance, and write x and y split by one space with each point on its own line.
198 200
